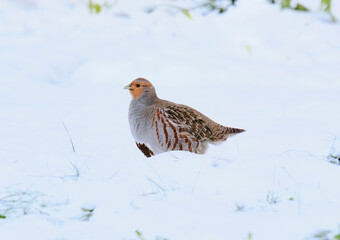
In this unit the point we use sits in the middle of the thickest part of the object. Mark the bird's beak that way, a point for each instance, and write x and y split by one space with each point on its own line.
128 87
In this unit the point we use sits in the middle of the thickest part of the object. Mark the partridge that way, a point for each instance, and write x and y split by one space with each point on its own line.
159 126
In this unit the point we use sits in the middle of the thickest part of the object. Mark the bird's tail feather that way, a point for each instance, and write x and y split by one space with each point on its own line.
225 132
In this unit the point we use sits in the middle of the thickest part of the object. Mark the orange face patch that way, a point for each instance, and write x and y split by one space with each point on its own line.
136 88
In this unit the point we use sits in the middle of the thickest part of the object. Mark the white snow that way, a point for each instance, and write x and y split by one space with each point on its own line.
273 72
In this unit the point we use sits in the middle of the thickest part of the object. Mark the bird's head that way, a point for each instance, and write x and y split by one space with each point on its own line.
141 87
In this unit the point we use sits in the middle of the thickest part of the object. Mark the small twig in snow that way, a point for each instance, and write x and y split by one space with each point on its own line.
152 181
69 136
114 174
196 179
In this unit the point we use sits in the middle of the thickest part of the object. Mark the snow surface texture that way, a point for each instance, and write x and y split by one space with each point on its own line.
275 73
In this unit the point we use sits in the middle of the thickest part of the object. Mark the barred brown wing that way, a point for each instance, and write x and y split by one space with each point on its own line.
189 121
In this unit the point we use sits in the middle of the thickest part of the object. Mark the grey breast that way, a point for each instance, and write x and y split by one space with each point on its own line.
139 120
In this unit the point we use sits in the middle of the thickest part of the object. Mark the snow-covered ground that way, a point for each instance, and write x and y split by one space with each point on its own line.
275 73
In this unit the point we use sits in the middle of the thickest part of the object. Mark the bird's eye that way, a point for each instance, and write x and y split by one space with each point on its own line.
138 85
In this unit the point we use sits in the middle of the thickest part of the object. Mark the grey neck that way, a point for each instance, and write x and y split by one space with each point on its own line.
147 98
